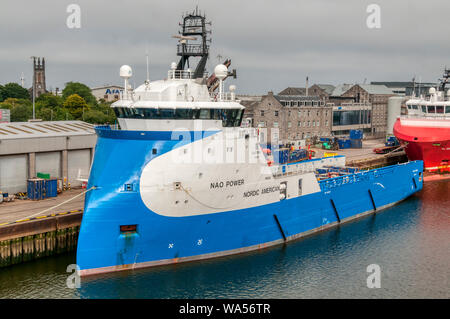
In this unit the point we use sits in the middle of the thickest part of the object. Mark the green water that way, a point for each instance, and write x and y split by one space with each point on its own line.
410 242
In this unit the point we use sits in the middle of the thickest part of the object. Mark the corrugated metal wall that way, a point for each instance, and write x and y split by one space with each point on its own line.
79 162
49 162
13 173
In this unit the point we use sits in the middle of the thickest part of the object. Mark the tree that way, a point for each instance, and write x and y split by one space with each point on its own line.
48 100
21 113
76 105
16 91
80 89
2 93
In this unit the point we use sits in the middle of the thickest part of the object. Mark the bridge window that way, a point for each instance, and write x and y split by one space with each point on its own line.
440 109
229 117
431 109
447 109
424 109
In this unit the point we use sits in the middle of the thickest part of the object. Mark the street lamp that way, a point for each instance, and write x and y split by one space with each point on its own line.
34 83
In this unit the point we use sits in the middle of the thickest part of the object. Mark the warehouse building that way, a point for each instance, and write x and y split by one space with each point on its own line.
63 149
109 93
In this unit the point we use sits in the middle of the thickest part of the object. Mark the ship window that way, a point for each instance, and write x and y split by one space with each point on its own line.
431 109
205 114
424 109
440 109
229 117
414 107
184 114
447 109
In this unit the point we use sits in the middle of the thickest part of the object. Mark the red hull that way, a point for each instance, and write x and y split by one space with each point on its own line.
427 140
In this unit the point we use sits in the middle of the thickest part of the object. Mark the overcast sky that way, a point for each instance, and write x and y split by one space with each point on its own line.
272 44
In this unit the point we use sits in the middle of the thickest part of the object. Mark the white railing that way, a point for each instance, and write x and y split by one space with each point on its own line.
182 74
435 116
226 96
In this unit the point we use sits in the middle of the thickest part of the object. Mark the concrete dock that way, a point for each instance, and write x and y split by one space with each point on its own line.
365 158
34 229
20 209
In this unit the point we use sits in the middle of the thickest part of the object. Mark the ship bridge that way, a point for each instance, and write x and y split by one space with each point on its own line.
179 101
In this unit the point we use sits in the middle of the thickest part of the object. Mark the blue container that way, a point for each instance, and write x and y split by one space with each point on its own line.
356 134
356 143
35 189
280 156
51 188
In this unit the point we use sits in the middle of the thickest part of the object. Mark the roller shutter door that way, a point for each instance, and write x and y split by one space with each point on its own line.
13 173
50 163
79 163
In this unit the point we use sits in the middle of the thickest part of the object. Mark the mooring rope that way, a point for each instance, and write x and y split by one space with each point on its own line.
60 204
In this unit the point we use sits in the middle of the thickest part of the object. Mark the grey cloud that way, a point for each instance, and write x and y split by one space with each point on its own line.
273 44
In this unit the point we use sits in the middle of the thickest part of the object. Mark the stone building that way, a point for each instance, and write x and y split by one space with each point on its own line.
289 118
377 96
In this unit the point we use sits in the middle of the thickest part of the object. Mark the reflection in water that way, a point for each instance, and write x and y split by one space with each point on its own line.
410 242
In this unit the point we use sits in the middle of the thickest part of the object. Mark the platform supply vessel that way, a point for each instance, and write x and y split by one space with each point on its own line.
181 180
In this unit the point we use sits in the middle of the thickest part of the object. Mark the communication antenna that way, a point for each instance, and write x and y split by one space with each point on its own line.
125 73
148 76
221 72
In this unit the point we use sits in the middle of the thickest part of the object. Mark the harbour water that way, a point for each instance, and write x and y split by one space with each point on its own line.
410 242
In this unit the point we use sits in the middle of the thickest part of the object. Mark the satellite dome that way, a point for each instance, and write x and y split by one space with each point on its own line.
173 66
232 88
221 71
432 91
125 72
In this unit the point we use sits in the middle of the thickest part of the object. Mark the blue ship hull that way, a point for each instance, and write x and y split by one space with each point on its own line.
120 157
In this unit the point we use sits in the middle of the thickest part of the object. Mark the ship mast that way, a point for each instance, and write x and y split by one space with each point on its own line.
444 80
194 24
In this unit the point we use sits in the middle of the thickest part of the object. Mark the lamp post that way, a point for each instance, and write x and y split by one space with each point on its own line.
34 83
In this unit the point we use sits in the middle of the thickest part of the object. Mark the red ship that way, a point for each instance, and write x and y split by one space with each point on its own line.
425 131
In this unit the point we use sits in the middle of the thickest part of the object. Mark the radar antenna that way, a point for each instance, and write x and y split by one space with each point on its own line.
194 24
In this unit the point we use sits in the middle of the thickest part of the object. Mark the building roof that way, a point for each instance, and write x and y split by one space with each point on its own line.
341 89
17 130
376 89
296 98
328 88
293 91
370 88
107 87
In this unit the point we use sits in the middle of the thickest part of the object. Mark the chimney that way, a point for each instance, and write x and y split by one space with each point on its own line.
306 91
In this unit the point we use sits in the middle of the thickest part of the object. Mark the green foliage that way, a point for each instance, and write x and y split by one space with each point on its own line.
76 106
79 105
48 100
21 113
14 90
82 90
2 93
